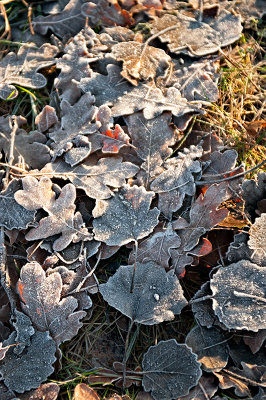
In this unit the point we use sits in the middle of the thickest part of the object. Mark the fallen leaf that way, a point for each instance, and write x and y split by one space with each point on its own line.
137 291
84 392
125 217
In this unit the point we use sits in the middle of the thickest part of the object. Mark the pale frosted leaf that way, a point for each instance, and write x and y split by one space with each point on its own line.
210 346
197 38
40 298
196 80
151 139
21 68
157 247
239 296
75 65
62 218
257 235
126 99
177 180
97 179
149 302
139 62
170 370
13 215
125 217
69 21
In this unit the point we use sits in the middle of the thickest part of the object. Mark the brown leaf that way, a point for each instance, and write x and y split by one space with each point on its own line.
140 62
107 12
47 391
254 127
84 392
46 118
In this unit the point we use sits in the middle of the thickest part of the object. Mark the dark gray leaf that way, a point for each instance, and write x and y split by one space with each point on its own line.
157 247
125 217
156 296
254 191
67 22
13 215
32 367
210 346
21 68
170 370
41 300
239 296
151 139
202 309
205 387
204 215
31 146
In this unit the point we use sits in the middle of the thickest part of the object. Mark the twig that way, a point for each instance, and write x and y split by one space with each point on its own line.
11 149
203 183
5 282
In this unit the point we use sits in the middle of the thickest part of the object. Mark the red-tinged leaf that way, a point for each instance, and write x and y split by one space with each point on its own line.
114 139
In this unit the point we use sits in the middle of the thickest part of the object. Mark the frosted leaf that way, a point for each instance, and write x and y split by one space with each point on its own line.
178 179
125 217
22 68
170 370
40 299
46 118
35 360
95 179
197 38
157 247
151 139
69 21
30 146
139 62
257 235
62 217
126 99
13 215
156 296
107 13
239 296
